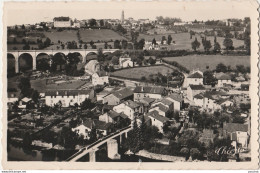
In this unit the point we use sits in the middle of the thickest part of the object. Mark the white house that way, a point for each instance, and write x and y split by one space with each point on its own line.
141 92
177 100
237 133
125 61
198 100
62 22
210 103
99 79
112 117
193 90
129 108
223 80
158 120
102 128
67 97
196 78
12 97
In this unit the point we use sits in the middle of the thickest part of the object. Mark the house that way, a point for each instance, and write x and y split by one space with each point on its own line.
198 100
67 97
141 92
225 103
117 97
129 108
196 78
193 90
161 109
125 61
62 22
102 128
100 78
114 117
158 120
23 102
177 100
165 102
223 80
238 133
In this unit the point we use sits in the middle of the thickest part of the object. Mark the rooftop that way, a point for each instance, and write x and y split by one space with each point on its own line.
197 87
233 127
176 96
66 92
148 89
157 116
123 93
195 75
224 77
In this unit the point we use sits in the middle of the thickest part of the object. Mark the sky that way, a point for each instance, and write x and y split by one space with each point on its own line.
33 12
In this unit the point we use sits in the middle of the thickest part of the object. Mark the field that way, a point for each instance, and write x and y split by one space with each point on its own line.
63 36
137 73
183 41
200 62
95 35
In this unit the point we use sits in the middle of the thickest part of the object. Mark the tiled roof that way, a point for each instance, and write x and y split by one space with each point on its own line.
113 114
147 100
131 104
176 97
162 107
66 92
195 75
123 93
197 87
233 127
100 125
166 102
147 89
157 116
224 77
199 96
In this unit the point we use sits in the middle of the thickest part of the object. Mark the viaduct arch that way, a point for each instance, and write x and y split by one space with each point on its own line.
34 53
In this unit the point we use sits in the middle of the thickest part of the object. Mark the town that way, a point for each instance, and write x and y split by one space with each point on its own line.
108 89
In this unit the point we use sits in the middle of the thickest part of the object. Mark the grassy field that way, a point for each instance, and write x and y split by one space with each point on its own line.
137 73
63 36
96 34
183 41
201 61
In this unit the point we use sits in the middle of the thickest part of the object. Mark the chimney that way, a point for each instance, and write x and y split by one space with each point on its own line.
142 88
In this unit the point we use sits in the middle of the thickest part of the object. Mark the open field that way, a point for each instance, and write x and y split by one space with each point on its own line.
183 41
202 61
63 36
137 73
96 34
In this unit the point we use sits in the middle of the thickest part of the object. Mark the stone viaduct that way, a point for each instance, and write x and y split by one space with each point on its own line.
34 53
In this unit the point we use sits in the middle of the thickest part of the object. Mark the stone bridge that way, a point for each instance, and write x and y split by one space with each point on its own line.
34 53
112 146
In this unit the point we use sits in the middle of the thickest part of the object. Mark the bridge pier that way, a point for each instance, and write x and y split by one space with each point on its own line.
92 156
112 149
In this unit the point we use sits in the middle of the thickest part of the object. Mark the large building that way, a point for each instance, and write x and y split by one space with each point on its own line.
67 97
62 22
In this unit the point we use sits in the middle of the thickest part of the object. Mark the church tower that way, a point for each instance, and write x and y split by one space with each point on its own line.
122 16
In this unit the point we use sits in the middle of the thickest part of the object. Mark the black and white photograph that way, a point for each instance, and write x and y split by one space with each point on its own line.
130 82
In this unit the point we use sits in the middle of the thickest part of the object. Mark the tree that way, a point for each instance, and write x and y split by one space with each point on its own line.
154 41
35 96
47 42
169 39
195 44
134 36
141 44
151 61
124 44
105 45
27 139
26 46
228 43
208 78
24 85
163 39
217 47
101 22
221 68
92 22
100 55
115 60
247 38
85 46
207 45
87 104
93 135
117 44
